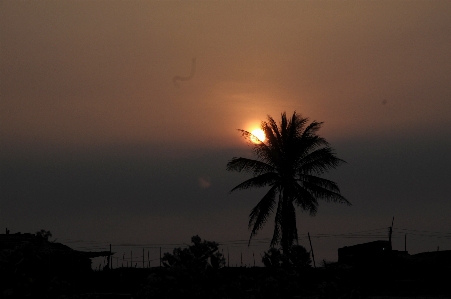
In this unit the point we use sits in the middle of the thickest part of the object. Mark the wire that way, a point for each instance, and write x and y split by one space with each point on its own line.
375 233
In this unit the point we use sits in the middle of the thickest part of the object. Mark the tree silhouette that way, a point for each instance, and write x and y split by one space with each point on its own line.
196 256
44 234
290 162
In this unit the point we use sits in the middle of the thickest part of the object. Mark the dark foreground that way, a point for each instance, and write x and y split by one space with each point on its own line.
335 281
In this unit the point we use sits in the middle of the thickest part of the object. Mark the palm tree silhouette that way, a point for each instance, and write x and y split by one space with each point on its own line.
289 161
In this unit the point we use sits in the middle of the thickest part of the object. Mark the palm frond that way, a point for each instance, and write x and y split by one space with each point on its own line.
318 181
295 125
312 128
260 213
270 151
311 143
261 180
304 199
261 149
319 161
268 155
248 165
325 194
298 124
249 136
272 130
284 126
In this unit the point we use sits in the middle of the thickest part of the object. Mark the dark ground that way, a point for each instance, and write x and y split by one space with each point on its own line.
337 281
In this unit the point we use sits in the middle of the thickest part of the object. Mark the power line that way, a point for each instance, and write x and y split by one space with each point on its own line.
364 234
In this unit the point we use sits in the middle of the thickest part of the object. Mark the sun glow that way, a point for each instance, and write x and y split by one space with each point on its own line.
258 136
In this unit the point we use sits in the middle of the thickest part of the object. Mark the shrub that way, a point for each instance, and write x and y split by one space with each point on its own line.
201 255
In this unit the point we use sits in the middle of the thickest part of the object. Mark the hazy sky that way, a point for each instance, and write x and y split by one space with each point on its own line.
98 143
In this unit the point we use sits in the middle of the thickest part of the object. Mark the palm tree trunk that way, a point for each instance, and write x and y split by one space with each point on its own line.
286 244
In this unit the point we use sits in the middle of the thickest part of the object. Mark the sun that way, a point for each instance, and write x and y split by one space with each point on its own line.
258 136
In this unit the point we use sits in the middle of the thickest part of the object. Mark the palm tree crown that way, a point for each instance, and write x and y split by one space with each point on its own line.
290 162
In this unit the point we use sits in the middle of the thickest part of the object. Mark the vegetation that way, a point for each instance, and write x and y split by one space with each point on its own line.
290 162
45 234
200 255
298 257
36 268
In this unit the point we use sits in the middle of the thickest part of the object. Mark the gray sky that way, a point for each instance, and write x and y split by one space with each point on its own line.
98 143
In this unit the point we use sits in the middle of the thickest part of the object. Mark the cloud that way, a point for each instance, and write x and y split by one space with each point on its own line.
204 183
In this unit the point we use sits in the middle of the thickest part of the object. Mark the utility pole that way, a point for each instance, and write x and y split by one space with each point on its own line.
228 257
390 232
143 258
110 260
311 249
405 242
160 257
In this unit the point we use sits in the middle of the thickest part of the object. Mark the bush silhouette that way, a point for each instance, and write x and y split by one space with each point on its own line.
44 234
201 255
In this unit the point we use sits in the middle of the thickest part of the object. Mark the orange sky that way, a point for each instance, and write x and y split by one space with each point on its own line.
90 73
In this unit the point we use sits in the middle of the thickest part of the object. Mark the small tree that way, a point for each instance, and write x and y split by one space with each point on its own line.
44 234
300 257
272 258
200 255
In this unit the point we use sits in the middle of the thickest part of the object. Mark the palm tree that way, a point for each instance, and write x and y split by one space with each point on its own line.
289 162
